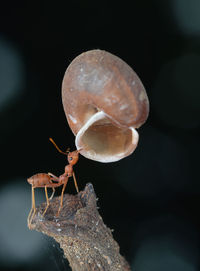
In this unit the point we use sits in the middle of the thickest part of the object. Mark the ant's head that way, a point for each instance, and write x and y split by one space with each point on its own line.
73 157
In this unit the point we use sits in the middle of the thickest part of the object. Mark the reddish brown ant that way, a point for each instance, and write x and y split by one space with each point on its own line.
72 158
45 180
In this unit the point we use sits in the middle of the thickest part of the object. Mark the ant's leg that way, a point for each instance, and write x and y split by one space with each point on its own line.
31 215
28 219
46 194
54 178
52 193
52 185
75 182
61 198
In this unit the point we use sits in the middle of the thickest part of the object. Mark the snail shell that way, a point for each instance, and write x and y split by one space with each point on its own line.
104 101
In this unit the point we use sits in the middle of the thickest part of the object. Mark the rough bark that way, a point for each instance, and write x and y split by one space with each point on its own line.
87 242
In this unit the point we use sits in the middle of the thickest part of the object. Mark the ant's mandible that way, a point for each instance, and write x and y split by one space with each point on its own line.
46 180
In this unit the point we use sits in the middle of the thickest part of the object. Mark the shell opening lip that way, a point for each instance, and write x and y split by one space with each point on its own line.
102 140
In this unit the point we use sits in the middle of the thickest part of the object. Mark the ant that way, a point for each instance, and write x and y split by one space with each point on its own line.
46 180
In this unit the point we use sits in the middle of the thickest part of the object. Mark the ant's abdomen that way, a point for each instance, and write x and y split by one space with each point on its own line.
39 180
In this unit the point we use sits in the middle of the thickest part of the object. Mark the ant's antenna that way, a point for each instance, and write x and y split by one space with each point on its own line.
67 151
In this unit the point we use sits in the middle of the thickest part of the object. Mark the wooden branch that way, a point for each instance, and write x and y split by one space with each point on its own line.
86 241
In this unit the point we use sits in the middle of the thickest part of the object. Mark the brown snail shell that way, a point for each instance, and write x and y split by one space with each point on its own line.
104 101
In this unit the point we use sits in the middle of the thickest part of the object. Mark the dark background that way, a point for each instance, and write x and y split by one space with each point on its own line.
151 199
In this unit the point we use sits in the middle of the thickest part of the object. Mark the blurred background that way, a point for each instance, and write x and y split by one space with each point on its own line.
151 199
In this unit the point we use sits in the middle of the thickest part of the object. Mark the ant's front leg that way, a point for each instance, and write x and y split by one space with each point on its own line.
52 185
53 177
53 192
61 198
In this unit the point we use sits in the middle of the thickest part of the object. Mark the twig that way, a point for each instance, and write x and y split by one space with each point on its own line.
86 241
